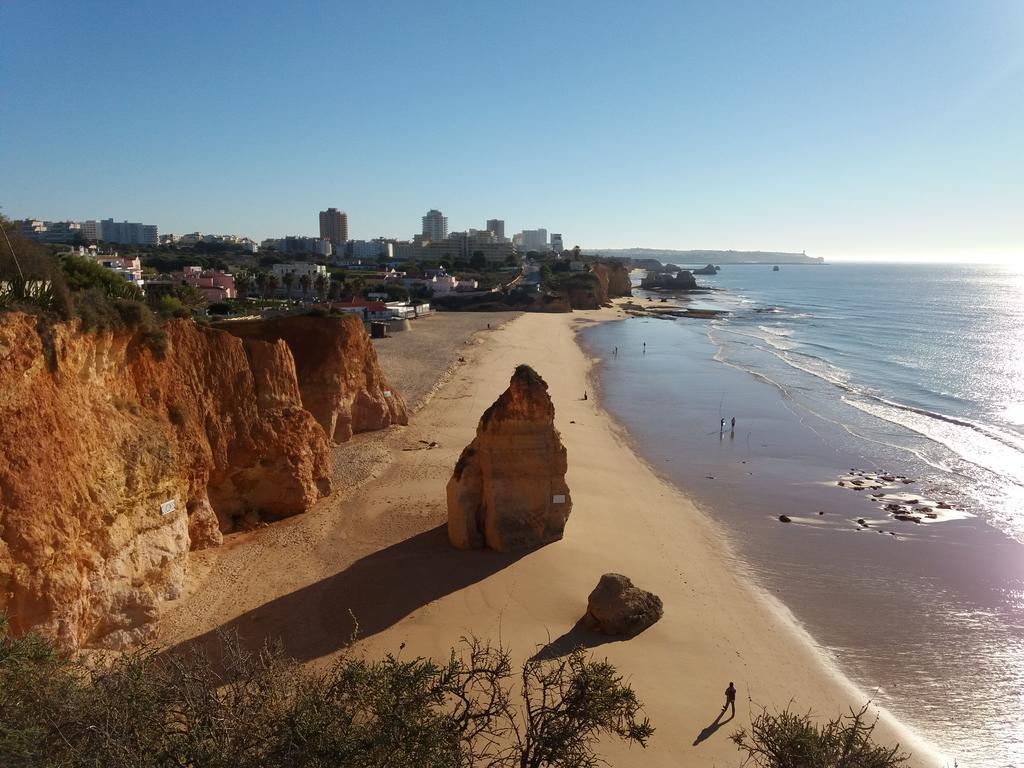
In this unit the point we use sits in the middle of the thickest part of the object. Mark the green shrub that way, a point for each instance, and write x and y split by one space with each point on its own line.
171 306
788 740
84 274
262 709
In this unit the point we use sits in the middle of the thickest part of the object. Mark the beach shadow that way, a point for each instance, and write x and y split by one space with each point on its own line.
379 590
577 637
715 725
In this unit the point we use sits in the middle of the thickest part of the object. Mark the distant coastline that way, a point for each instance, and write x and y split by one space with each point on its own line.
705 257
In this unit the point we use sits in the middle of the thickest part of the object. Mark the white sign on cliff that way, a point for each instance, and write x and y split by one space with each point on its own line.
167 507
558 498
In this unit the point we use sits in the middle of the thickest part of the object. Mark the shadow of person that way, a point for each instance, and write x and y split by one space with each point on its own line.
369 596
715 725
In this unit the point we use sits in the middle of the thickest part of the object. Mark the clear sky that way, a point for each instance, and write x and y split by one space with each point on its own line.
873 129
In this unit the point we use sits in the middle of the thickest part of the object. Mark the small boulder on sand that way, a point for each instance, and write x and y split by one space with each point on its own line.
616 607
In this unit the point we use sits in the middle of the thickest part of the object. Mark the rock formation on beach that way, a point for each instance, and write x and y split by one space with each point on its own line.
508 490
683 280
614 279
616 607
338 376
116 460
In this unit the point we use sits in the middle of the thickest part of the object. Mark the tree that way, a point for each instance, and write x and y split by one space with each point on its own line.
788 740
335 289
305 283
242 283
320 284
289 280
30 279
478 261
512 260
261 283
272 284
190 296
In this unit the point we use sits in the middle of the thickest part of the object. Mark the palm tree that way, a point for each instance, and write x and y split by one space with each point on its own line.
320 283
242 283
272 283
289 281
261 283
305 281
335 289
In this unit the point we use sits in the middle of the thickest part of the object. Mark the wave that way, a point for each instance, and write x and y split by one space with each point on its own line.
983 445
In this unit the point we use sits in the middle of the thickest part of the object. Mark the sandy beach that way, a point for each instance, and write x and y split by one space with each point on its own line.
378 551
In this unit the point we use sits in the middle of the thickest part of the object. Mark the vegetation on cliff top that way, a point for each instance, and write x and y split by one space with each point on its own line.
262 709
53 289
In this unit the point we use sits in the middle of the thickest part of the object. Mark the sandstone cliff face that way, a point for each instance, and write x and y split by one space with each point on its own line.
614 278
95 441
339 378
508 490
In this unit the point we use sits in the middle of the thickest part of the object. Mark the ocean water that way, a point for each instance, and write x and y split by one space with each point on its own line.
912 370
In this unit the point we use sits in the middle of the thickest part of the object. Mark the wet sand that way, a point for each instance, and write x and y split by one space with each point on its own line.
379 553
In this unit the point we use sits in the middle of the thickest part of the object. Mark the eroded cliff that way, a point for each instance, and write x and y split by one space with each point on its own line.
115 461
614 279
340 381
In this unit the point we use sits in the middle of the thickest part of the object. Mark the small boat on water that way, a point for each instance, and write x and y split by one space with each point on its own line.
775 268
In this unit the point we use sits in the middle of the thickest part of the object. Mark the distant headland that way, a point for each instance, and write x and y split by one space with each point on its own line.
704 257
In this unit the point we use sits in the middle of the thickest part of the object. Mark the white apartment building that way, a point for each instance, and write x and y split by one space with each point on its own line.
435 226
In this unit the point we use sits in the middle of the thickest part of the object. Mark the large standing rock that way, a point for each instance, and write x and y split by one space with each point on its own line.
508 490
616 607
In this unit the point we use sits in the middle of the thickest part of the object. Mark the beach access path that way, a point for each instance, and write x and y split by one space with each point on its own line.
377 554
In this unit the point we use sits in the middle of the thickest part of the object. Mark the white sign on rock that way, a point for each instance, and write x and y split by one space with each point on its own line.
558 498
167 507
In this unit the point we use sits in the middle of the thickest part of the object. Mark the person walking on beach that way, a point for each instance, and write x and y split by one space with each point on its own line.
733 425
721 425
730 699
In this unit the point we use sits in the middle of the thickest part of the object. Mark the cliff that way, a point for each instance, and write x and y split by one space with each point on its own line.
614 278
340 381
508 489
116 461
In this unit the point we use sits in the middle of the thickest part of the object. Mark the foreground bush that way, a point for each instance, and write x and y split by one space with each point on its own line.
788 740
262 709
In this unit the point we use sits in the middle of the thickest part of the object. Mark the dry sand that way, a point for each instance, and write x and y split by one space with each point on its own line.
381 552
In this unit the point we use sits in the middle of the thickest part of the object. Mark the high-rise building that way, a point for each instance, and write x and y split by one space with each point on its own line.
497 228
533 240
435 226
126 232
556 242
334 227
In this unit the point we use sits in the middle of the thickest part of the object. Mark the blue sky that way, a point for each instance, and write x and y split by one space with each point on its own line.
873 129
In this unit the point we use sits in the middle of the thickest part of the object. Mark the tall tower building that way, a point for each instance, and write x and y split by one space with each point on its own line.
334 227
556 242
497 228
435 226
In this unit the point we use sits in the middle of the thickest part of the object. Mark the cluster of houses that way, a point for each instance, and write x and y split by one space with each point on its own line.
301 279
